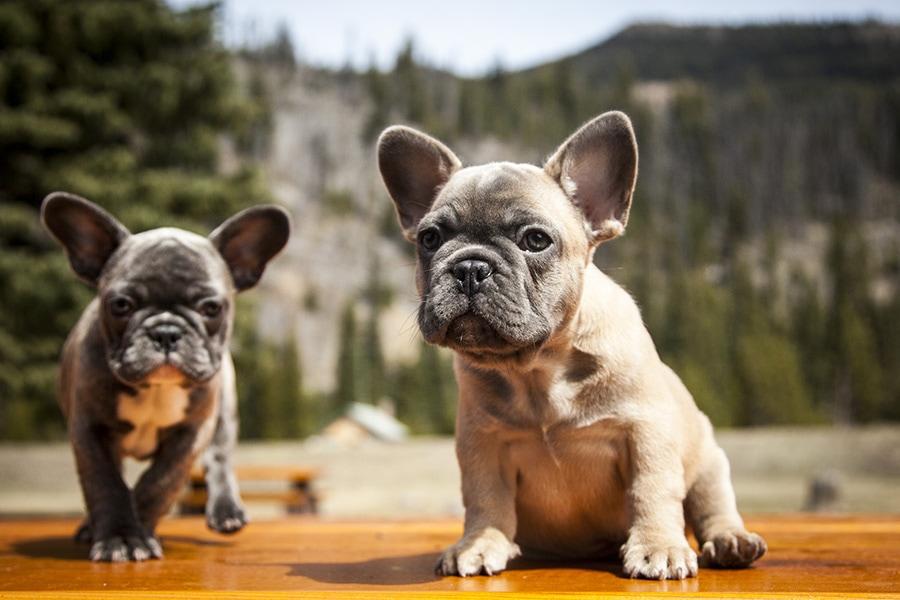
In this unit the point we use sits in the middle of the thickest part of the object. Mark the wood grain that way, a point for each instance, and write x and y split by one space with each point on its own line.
810 557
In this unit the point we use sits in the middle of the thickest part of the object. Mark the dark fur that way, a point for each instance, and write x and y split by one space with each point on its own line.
110 357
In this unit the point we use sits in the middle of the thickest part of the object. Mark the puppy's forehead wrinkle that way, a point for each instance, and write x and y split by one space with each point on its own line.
507 193
171 260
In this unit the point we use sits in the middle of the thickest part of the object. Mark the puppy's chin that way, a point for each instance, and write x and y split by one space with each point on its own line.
471 332
164 372
473 337
166 375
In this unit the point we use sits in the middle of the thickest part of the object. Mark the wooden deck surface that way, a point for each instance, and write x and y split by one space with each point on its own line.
809 557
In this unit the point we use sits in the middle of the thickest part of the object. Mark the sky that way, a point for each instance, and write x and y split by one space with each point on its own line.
472 36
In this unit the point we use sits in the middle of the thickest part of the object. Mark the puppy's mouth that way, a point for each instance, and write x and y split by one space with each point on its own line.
164 369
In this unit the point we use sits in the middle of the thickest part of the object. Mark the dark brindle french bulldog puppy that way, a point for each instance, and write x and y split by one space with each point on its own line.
147 371
573 438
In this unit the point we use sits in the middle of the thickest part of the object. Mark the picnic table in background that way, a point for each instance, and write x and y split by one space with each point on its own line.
292 487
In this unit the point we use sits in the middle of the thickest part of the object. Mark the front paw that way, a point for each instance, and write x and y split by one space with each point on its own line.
674 560
485 552
225 515
121 548
733 549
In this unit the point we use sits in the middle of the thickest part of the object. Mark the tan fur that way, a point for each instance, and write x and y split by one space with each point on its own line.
153 408
588 445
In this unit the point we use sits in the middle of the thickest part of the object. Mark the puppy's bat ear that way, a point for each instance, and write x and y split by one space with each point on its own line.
414 167
249 240
88 233
597 169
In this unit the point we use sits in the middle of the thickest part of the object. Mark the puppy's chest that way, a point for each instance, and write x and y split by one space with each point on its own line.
153 408
557 402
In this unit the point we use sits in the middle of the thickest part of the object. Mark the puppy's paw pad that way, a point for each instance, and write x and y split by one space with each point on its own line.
733 549
658 561
486 552
226 516
121 549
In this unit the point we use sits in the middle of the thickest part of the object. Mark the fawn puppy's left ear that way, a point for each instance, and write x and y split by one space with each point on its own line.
597 169
249 240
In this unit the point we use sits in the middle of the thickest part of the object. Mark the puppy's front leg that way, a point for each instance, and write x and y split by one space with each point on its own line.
489 498
162 482
224 510
656 547
115 530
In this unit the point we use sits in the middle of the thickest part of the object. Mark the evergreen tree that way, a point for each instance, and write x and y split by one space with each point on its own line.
379 96
346 389
425 392
808 327
698 345
120 102
438 391
855 369
774 389
410 90
374 380
293 413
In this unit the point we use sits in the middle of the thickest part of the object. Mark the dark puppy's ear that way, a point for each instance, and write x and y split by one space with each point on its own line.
597 168
414 167
249 239
88 233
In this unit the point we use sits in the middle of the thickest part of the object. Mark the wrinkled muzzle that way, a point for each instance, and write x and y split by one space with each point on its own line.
476 303
159 346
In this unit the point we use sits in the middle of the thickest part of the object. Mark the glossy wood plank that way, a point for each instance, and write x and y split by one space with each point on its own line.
810 557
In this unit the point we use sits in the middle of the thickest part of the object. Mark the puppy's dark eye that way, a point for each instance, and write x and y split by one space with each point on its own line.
535 240
121 306
211 308
430 239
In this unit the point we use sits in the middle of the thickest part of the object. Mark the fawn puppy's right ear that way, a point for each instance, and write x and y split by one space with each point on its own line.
597 169
88 233
414 167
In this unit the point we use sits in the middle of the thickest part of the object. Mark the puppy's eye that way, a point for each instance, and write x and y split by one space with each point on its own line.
430 239
535 240
121 306
211 308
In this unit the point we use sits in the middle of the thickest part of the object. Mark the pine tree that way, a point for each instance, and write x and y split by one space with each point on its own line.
769 370
438 389
411 93
293 412
379 95
123 103
425 393
854 366
346 391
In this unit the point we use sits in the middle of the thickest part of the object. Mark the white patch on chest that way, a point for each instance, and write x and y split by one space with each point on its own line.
153 408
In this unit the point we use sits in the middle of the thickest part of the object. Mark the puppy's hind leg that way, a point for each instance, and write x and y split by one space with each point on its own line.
712 512
224 510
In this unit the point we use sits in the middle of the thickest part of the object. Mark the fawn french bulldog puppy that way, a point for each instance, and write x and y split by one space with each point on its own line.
573 438
147 372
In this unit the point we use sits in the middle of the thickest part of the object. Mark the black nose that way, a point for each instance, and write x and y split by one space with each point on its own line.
166 336
470 274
